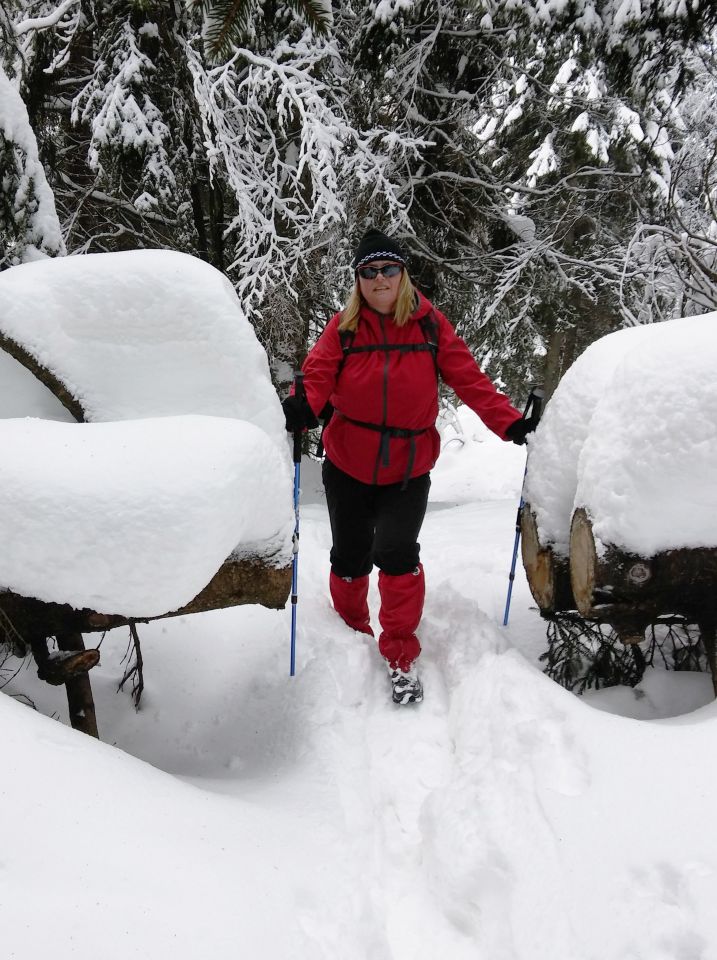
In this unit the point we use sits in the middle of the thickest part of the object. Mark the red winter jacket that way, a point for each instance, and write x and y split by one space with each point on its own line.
395 389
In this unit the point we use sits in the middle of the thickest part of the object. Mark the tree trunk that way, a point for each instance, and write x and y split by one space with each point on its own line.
548 574
551 376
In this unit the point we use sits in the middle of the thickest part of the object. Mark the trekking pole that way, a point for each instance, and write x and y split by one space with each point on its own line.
533 409
299 394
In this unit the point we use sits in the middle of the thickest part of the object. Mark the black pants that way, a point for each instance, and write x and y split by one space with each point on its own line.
373 524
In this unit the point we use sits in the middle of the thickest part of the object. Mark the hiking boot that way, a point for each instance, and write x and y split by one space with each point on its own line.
407 688
66 665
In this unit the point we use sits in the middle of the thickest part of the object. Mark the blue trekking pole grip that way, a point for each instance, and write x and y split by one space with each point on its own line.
533 409
299 394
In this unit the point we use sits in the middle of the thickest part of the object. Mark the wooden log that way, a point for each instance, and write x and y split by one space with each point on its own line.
631 591
548 574
53 384
80 701
236 582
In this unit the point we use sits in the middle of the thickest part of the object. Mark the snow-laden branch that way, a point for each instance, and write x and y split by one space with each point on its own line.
44 23
276 130
64 20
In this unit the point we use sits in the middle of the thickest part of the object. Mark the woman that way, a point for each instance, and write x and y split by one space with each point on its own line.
377 363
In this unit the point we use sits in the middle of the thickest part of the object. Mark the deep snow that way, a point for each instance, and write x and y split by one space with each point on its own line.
141 333
136 517
628 435
184 460
244 813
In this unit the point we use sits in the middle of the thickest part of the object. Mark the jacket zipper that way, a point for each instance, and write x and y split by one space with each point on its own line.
384 420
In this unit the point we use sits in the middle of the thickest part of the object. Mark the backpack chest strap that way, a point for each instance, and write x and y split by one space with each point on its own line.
393 347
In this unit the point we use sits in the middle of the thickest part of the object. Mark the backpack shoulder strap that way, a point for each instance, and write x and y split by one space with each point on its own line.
429 328
347 338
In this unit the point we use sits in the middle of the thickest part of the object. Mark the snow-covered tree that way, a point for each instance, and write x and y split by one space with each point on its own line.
250 163
136 120
280 135
29 227
577 127
548 139
676 257
515 148
232 23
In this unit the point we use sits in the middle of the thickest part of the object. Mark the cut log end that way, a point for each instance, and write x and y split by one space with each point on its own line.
583 562
547 574
537 562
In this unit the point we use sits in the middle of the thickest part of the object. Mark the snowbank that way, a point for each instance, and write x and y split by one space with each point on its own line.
124 861
136 517
144 333
631 423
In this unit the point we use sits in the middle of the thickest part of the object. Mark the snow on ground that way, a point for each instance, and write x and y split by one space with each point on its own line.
240 812
136 517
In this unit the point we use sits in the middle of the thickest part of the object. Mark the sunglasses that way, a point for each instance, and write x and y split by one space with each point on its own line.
370 273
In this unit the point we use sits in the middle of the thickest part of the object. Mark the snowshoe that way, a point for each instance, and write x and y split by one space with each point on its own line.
407 687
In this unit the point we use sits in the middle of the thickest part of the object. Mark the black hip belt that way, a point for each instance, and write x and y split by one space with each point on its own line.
387 434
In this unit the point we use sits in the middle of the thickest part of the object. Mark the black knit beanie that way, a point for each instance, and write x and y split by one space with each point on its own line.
375 245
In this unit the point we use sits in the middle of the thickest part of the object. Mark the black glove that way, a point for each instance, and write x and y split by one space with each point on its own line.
518 431
298 415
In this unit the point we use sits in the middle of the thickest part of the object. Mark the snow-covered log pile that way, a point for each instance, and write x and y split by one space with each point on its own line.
175 494
621 484
552 477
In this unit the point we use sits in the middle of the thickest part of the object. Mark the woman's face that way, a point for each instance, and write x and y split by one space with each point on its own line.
381 292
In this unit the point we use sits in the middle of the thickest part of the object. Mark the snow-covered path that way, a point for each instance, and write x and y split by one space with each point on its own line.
502 819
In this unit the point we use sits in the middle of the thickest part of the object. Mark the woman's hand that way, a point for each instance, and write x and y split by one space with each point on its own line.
519 430
298 414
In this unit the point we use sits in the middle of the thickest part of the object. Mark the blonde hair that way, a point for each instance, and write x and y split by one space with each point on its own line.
405 304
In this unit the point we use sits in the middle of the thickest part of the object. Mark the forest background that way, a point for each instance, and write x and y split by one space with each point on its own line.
550 166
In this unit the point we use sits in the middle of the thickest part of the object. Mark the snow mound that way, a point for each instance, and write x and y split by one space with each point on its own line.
136 517
631 422
182 880
554 449
647 471
142 333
